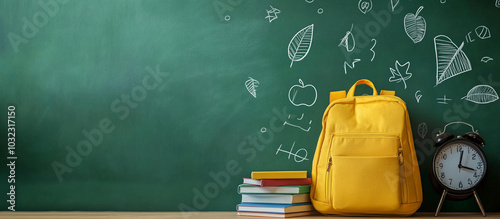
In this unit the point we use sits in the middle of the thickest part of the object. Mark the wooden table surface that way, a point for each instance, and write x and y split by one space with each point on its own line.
204 215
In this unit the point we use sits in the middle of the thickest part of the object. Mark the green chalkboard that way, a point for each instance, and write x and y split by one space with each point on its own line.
167 105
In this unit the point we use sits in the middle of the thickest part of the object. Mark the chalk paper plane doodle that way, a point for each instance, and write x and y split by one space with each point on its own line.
272 14
450 59
481 94
299 45
400 73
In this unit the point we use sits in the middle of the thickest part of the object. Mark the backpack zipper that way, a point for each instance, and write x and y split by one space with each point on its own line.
404 186
327 183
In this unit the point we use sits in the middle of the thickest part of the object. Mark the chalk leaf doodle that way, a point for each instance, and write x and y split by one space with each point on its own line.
481 94
394 3
415 26
272 14
450 59
483 32
302 95
400 73
252 85
422 130
486 59
348 38
300 44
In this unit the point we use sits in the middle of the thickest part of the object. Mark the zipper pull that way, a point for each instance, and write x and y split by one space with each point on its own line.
329 164
401 158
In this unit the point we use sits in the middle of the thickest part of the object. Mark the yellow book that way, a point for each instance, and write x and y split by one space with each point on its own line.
279 175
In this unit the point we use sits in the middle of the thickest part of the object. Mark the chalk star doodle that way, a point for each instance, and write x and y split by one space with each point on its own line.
272 14
297 126
346 64
443 100
295 155
397 75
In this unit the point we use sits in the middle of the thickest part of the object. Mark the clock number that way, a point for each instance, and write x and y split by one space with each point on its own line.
459 148
441 165
473 156
470 181
451 180
479 165
460 185
442 175
444 156
475 174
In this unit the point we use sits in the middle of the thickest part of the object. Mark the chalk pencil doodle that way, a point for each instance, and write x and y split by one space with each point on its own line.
300 44
497 3
371 49
394 3
422 130
481 94
450 59
302 95
486 59
272 14
443 100
251 85
415 26
468 38
418 95
298 158
483 32
351 66
320 10
298 126
348 38
400 74
365 6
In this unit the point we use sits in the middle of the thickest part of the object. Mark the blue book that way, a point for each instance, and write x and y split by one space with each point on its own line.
275 208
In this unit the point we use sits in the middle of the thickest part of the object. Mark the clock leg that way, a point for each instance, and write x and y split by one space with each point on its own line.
479 203
441 202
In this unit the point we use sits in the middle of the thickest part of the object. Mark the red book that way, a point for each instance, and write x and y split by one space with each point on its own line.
277 182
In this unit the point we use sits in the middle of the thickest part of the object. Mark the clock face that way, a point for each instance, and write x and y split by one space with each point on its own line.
459 165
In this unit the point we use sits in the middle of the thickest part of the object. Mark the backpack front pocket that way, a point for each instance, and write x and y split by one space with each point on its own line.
367 184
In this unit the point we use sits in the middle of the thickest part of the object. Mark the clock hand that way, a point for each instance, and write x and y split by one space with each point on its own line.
467 168
461 156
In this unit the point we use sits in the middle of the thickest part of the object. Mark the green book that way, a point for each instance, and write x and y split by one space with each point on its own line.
253 189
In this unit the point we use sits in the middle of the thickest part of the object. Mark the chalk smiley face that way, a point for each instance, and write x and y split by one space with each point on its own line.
302 95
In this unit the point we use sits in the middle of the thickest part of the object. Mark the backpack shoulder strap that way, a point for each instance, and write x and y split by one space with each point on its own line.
388 92
335 95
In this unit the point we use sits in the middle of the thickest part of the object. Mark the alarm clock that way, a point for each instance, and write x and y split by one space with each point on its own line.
459 166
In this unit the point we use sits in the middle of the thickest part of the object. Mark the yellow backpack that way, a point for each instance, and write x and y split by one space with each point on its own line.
365 162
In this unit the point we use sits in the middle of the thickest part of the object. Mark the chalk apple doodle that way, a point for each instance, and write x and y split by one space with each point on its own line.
302 95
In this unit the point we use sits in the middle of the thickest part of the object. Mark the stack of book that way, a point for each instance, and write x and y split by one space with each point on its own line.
275 194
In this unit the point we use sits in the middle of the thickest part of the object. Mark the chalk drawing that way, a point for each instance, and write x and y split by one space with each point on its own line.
400 74
300 44
483 32
272 14
263 130
251 85
422 130
442 1
371 49
298 126
450 59
418 95
365 6
486 59
350 66
415 26
394 3
309 1
443 100
481 94
298 158
348 38
227 17
320 10
308 93
468 38
497 4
